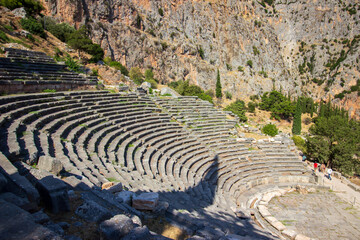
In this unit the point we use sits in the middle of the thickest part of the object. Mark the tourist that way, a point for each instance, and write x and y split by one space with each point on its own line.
322 168
315 166
329 171
304 158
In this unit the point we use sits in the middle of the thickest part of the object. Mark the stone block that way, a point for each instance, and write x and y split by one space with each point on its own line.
40 217
52 190
263 210
92 212
50 164
116 227
115 188
125 197
145 201
288 233
18 201
301 237
278 225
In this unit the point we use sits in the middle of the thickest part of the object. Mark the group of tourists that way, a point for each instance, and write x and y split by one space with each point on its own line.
322 168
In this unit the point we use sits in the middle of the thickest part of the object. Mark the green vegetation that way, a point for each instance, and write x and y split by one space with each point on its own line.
33 26
32 7
201 52
218 91
62 31
228 67
49 90
161 12
270 129
296 127
136 75
279 106
80 41
251 107
238 108
117 66
149 77
73 64
240 68
255 50
353 88
249 63
186 89
335 140
299 143
228 95
3 37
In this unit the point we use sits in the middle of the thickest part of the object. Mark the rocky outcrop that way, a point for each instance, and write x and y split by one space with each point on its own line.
295 46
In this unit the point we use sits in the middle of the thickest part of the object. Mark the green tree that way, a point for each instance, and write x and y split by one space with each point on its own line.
296 127
238 108
79 40
136 75
270 129
218 91
279 106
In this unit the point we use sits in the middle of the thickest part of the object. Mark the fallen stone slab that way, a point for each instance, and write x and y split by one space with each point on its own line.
116 227
145 201
21 219
92 212
50 164
16 183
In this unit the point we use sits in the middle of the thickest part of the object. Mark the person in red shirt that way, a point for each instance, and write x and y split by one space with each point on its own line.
315 166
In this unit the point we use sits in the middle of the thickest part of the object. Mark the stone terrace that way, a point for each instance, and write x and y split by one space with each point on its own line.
183 148
28 71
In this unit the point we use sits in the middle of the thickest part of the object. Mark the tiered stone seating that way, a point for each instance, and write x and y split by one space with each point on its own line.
29 71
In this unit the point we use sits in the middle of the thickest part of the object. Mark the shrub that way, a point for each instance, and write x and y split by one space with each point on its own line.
270 129
210 93
161 12
152 82
61 31
73 65
251 107
240 68
255 50
201 52
32 7
228 67
33 26
136 75
238 108
299 143
120 67
228 95
150 91
3 37
249 63
49 90
205 97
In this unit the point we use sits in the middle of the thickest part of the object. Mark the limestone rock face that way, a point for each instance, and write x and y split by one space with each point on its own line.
292 45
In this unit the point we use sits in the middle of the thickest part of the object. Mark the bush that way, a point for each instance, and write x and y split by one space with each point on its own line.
136 75
210 93
201 52
33 26
251 107
3 37
73 65
270 129
240 68
299 143
120 67
161 12
32 7
60 31
152 82
238 108
228 95
249 63
205 97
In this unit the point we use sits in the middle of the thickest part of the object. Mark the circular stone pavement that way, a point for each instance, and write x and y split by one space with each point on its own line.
321 215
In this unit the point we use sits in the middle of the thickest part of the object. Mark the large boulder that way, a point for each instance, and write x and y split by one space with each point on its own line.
50 164
116 227
125 197
145 201
92 212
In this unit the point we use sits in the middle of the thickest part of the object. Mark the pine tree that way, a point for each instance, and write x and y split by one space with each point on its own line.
296 128
218 86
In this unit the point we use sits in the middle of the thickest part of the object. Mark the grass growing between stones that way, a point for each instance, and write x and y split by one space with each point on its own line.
161 226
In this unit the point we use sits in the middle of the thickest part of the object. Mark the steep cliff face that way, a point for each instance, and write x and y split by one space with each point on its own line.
292 45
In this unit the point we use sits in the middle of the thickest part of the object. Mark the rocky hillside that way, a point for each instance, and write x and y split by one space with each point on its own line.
301 47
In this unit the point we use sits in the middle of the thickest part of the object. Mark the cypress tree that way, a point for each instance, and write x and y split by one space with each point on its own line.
218 86
296 128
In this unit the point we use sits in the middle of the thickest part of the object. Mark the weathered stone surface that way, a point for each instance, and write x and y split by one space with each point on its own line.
19 12
167 90
288 233
16 183
107 185
3 182
136 220
92 212
301 237
125 197
40 217
145 201
264 211
237 237
50 164
55 228
278 225
115 188
52 190
76 183
210 233
16 200
138 233
116 227
13 217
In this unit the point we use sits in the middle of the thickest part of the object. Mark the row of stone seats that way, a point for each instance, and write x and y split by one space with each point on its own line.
26 71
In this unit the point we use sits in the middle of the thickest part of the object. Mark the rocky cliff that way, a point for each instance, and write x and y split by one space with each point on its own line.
301 47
